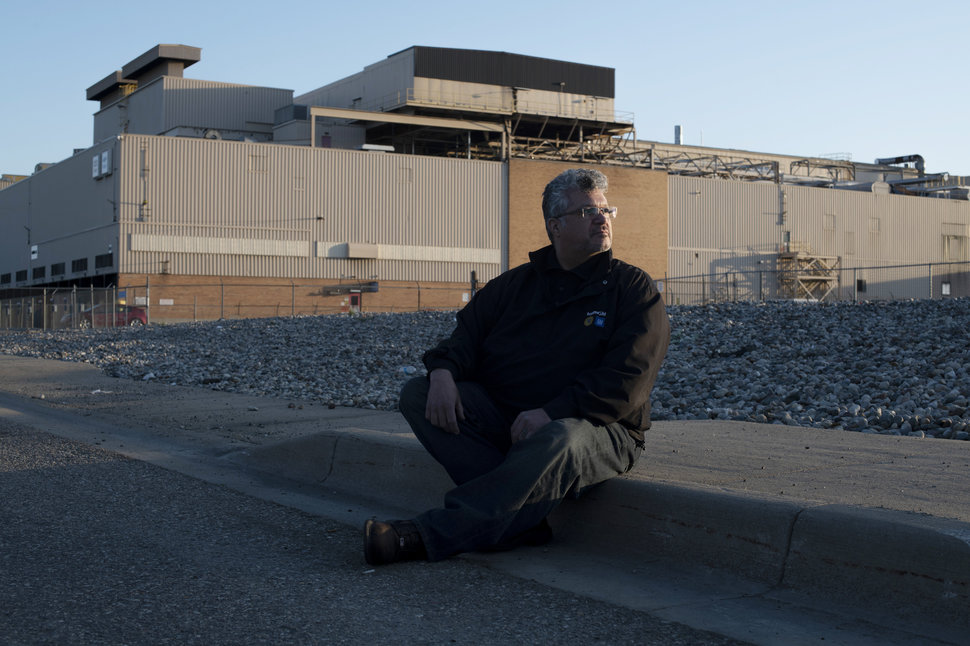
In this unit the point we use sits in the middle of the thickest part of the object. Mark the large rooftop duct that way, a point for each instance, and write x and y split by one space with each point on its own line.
918 159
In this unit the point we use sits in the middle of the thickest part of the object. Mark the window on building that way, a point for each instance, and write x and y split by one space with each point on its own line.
104 260
40 272
57 269
850 243
955 248
21 275
4 279
79 264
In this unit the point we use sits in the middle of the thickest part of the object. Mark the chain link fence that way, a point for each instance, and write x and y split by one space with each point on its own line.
52 309
891 282
91 307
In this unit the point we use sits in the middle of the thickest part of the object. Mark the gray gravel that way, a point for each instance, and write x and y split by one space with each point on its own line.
896 367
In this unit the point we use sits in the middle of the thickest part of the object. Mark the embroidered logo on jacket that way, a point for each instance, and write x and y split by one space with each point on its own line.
596 319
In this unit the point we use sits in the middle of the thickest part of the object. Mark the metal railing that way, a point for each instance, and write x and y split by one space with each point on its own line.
888 282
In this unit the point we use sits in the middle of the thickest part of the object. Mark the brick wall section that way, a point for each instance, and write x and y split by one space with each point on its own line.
185 298
640 228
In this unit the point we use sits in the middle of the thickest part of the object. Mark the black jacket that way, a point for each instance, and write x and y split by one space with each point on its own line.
582 343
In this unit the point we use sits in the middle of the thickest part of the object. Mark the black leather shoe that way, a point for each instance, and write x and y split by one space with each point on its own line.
392 541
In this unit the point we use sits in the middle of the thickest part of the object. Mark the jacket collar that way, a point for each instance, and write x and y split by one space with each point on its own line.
544 260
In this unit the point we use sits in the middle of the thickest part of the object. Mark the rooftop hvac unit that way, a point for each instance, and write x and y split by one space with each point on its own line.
212 134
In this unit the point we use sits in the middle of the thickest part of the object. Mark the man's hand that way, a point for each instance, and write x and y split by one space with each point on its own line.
528 422
444 408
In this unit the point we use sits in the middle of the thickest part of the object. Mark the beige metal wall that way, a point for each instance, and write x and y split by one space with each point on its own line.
719 225
201 207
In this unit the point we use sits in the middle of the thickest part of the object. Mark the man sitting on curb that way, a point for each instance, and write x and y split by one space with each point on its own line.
542 390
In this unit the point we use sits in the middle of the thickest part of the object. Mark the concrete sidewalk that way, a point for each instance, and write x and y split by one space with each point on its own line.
867 521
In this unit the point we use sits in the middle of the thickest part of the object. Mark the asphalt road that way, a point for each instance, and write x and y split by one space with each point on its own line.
97 548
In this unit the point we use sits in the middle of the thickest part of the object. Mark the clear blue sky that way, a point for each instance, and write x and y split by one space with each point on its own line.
813 77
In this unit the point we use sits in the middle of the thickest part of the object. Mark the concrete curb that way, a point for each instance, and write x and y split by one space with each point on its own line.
915 563
870 557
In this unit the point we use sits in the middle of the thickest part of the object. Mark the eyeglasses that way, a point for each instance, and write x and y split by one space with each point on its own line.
592 211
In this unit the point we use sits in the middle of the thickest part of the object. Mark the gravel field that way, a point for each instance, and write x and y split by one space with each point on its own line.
896 367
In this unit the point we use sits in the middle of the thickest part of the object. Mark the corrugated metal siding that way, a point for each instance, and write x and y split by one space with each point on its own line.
872 229
719 225
564 104
65 212
464 96
234 190
207 104
140 112
381 86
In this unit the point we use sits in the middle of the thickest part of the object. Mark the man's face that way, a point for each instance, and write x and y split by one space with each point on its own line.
575 238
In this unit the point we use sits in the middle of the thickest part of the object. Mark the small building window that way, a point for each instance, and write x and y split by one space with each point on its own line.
40 272
104 260
4 279
57 269
79 264
21 275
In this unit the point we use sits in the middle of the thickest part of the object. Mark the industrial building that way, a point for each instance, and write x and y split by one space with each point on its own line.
405 185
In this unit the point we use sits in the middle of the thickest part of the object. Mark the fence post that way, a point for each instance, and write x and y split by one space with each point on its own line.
222 299
292 299
148 299
855 285
930 271
703 289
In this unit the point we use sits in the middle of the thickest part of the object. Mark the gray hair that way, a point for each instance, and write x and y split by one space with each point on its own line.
554 199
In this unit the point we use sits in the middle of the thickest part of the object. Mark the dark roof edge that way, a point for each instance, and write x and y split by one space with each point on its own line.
185 54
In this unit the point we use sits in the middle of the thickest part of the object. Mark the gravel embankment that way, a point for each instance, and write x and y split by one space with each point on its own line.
887 367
